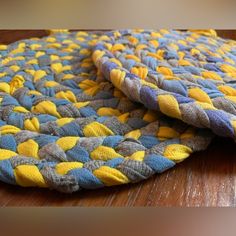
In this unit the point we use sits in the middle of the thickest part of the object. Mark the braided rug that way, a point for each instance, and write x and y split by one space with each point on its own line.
84 110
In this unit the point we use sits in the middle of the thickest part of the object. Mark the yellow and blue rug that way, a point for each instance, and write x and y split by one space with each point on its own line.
84 110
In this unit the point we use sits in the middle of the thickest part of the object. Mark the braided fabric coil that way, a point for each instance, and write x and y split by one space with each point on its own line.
84 110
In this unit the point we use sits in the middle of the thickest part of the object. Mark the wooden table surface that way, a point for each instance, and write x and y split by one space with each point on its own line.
205 179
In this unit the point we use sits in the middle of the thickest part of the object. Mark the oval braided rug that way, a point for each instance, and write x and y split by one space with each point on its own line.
87 110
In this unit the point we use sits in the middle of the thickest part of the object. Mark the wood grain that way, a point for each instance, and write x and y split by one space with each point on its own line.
205 179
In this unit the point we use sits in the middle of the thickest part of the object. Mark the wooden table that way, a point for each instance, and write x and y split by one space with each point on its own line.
205 179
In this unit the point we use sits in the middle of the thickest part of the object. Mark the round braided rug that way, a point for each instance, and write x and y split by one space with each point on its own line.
88 110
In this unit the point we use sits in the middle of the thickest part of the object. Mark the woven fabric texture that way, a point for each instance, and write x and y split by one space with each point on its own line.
84 110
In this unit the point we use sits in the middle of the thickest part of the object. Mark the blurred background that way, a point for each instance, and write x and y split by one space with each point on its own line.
117 14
